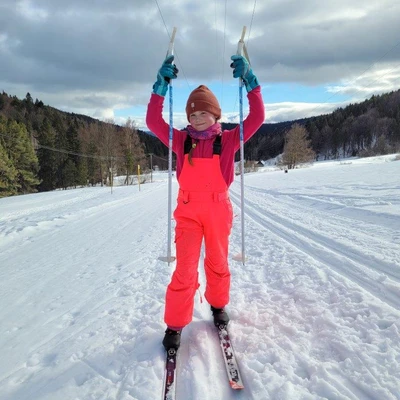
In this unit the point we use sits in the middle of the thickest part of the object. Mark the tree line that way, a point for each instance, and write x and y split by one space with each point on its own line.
369 128
42 148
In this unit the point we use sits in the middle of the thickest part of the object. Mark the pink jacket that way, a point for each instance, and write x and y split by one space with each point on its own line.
204 149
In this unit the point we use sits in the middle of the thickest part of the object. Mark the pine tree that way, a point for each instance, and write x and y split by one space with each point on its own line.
82 172
8 175
47 158
61 144
28 103
74 147
19 149
70 174
2 101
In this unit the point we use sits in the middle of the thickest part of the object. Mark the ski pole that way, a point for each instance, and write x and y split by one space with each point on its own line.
169 258
240 49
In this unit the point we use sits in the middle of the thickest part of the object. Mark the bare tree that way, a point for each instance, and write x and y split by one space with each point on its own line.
297 148
109 148
89 138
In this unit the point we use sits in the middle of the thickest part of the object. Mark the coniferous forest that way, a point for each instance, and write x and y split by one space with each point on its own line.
42 148
363 129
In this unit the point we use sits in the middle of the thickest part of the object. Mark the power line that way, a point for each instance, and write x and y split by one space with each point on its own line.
223 54
251 22
248 38
161 15
175 53
73 153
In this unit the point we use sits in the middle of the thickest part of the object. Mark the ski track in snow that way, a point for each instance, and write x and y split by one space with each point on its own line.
362 257
364 269
314 311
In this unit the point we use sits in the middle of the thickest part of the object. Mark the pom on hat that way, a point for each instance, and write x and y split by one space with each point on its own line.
203 99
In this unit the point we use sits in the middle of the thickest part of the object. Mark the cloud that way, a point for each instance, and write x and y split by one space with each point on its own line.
372 81
289 111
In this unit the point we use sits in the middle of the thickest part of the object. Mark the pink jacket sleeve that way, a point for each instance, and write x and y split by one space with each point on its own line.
253 121
155 122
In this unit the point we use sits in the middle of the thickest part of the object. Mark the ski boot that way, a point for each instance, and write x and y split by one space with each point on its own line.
172 339
221 317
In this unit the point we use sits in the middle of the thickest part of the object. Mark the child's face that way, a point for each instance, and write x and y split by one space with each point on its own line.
201 120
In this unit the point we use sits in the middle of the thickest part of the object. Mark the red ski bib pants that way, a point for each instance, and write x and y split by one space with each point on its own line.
203 211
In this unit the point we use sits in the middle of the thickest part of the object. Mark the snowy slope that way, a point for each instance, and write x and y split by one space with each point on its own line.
315 310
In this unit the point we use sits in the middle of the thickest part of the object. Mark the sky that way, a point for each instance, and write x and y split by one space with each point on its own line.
315 311
100 58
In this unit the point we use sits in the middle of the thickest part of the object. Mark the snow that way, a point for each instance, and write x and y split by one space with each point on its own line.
315 310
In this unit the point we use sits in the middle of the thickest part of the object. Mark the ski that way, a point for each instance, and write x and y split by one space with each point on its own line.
170 378
231 364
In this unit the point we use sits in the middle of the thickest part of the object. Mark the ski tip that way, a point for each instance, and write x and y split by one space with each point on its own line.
236 385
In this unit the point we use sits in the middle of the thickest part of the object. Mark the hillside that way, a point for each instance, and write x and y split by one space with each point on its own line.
364 129
44 149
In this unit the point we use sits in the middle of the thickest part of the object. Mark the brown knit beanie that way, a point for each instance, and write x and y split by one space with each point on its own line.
203 99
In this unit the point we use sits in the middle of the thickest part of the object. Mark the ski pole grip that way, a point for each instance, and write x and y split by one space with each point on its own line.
171 43
241 43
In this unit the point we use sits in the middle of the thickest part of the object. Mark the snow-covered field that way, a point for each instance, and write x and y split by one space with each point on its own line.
315 311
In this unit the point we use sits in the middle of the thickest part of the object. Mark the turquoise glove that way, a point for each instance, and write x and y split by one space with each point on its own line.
167 72
241 69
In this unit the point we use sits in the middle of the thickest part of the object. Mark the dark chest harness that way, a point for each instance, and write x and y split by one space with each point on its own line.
217 146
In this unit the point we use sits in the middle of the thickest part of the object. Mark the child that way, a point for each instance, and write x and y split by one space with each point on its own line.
205 170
